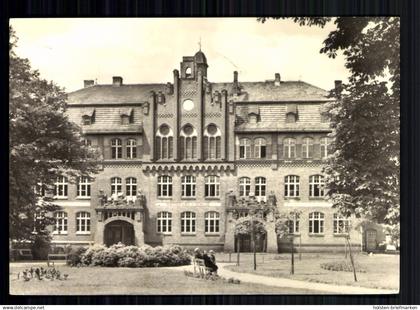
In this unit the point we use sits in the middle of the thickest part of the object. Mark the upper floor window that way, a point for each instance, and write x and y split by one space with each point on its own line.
244 148
244 186
325 147
307 148
164 142
341 224
260 148
188 186
40 189
116 148
291 113
293 224
212 186
116 186
260 186
212 142
164 222
187 222
131 187
188 142
211 222
83 222
61 187
126 116
289 148
291 186
164 186
83 187
60 222
316 186
131 148
316 223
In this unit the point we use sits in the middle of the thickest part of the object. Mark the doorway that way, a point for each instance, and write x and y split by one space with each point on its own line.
119 231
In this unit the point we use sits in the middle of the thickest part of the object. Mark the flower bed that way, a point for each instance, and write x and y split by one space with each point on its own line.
341 266
119 255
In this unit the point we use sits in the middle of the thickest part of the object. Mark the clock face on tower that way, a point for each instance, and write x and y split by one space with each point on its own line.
188 105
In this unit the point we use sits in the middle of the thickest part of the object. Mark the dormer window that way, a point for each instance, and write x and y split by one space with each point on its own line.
126 116
291 113
88 117
253 115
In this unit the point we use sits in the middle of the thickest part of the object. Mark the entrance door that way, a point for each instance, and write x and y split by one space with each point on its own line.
245 243
119 231
370 240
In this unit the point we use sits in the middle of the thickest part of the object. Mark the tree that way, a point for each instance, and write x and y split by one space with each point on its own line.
43 144
362 174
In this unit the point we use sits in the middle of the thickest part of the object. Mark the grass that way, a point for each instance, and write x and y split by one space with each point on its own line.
382 271
132 281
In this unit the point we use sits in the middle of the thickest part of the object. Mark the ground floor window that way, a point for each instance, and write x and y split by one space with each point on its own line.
293 225
211 222
316 223
83 222
164 222
341 224
187 222
60 222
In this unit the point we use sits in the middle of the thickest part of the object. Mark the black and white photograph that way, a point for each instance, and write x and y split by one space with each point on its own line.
204 156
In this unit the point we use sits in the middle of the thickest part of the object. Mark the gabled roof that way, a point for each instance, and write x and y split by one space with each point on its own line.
291 91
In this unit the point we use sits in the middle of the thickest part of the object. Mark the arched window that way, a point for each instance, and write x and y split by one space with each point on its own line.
244 148
188 186
260 148
131 148
341 224
116 186
61 187
211 222
212 186
188 142
293 224
316 186
83 187
260 186
244 186
164 142
289 148
291 186
116 148
212 142
325 146
60 222
316 223
307 148
164 222
164 186
131 187
188 222
82 222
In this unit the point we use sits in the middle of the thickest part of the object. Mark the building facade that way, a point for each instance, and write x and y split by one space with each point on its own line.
181 160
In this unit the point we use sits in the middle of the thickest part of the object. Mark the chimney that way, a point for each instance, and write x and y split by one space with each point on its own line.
88 83
277 79
338 87
117 81
235 83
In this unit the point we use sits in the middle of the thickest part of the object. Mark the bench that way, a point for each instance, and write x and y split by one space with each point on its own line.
200 268
51 257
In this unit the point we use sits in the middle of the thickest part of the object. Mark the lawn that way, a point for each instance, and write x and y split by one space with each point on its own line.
136 281
382 271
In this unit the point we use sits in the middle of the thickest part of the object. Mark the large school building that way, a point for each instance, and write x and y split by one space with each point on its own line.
183 161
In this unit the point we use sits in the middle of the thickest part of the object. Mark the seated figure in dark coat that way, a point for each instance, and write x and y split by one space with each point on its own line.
209 262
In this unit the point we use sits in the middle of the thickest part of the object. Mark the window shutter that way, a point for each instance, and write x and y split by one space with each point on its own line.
182 147
298 151
206 147
280 151
268 149
107 148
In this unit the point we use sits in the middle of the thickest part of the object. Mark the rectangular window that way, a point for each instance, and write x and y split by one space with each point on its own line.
164 222
61 188
188 222
83 222
341 224
83 187
211 222
316 223
188 186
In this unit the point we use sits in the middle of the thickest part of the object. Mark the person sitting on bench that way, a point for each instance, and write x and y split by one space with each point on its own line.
209 263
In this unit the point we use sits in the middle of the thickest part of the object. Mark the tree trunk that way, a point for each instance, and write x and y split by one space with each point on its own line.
292 271
351 259
238 249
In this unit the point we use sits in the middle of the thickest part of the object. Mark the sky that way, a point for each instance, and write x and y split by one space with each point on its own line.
147 50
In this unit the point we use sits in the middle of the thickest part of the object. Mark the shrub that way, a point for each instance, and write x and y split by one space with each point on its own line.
40 248
74 258
132 256
341 266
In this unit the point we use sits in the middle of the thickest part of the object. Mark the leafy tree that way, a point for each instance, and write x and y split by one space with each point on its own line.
364 168
43 144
